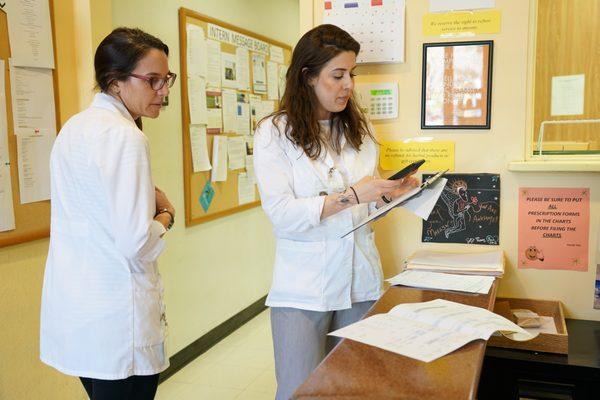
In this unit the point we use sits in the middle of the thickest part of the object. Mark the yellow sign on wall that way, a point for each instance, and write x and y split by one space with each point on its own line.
447 24
438 155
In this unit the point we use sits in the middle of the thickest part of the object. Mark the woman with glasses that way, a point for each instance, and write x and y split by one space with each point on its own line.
314 161
102 316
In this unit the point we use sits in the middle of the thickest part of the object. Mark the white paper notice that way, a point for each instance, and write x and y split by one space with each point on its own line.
243 118
236 149
7 214
276 54
219 159
441 281
34 159
272 81
455 5
229 70
229 110
215 121
259 73
197 96
246 190
281 79
243 68
250 167
567 95
32 95
213 57
196 51
30 33
200 158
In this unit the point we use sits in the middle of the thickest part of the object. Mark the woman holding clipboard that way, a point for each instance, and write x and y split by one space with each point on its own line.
314 162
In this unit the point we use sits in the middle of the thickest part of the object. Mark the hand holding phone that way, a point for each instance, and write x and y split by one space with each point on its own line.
407 170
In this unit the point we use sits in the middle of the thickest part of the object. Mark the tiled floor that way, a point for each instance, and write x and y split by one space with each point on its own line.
239 367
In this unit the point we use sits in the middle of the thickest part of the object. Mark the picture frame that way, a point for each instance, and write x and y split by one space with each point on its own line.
457 85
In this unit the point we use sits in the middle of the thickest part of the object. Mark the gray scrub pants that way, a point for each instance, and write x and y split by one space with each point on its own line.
300 341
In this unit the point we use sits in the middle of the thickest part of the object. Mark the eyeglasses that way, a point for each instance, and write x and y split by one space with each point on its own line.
157 83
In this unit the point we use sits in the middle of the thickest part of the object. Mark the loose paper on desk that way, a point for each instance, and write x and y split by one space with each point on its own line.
272 81
236 149
242 63
437 280
419 200
200 159
34 157
259 74
427 331
196 51
229 99
213 67
246 189
475 263
32 93
30 33
219 159
197 96
7 214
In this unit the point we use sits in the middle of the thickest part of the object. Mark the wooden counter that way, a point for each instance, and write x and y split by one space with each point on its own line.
355 370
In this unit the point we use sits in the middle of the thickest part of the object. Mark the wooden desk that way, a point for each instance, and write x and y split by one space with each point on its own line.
355 370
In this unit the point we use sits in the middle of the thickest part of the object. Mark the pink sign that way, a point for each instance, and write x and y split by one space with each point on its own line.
554 228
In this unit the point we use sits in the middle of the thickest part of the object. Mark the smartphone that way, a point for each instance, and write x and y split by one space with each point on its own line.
407 170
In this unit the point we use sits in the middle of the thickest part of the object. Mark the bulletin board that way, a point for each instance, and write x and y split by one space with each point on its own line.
225 200
32 220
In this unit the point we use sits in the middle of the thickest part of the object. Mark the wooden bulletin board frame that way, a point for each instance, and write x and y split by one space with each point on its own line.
32 220
225 201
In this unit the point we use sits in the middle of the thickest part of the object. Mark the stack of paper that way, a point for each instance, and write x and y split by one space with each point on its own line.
430 330
443 281
487 263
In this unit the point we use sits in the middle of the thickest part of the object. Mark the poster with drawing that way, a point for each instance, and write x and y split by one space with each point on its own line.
468 211
554 228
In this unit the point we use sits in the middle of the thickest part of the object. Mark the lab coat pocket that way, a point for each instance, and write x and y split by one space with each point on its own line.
299 270
148 318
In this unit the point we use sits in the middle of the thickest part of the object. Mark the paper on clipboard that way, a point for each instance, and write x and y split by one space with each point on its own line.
419 200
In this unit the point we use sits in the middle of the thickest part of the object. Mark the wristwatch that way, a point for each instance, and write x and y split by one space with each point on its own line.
164 210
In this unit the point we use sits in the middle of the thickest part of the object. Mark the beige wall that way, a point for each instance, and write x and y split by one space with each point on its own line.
398 235
210 271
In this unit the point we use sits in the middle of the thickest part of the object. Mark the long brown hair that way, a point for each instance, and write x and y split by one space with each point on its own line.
299 102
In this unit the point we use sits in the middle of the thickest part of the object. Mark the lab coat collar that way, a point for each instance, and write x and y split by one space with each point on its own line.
108 102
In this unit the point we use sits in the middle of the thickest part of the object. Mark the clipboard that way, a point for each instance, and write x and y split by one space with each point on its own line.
428 184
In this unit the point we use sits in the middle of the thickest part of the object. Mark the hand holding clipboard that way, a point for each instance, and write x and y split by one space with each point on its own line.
419 200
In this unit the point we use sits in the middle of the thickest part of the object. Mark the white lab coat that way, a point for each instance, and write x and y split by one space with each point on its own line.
314 268
102 313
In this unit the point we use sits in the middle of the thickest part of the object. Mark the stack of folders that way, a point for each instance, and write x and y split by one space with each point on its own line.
489 263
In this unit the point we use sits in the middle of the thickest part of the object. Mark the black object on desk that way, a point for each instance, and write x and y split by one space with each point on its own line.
518 374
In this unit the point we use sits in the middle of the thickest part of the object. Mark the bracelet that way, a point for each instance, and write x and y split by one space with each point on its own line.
385 199
355 195
164 210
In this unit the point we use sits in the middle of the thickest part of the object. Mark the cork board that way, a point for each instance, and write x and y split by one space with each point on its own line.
32 220
225 200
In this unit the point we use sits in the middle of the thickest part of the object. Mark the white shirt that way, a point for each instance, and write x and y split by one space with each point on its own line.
102 313
314 268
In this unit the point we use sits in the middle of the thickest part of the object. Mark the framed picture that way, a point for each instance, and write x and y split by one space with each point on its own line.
457 85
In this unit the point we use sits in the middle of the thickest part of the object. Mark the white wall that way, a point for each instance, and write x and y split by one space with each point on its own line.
398 235
215 269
